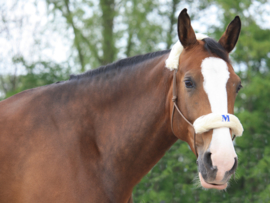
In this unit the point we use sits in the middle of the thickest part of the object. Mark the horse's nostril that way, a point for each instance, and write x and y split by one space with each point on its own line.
234 166
208 161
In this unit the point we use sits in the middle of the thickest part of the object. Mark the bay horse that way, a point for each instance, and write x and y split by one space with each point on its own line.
92 138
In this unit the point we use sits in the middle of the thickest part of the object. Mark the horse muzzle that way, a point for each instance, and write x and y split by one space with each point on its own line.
219 162
208 173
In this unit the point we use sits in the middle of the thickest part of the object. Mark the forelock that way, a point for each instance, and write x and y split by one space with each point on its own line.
213 47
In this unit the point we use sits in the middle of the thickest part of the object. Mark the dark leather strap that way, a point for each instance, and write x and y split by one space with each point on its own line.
174 99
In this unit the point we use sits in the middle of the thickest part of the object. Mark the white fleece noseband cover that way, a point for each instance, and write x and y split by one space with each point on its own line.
214 120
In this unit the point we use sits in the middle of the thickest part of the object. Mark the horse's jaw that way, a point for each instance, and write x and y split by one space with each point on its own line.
211 186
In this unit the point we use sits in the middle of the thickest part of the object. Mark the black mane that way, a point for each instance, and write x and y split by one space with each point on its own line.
120 64
215 48
210 45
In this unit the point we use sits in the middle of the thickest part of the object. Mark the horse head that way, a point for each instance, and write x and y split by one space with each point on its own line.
206 87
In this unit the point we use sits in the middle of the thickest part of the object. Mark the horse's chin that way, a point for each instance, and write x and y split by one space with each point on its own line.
211 186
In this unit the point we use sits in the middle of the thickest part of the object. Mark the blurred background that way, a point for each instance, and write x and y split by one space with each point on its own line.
44 41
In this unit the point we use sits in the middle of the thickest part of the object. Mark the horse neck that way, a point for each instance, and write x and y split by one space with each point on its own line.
128 115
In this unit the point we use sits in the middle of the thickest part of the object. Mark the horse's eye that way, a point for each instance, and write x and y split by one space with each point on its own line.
189 84
239 88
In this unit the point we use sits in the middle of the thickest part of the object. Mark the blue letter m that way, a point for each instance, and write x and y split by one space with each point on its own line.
225 118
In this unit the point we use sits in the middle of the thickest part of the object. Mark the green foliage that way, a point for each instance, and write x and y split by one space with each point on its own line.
38 74
171 179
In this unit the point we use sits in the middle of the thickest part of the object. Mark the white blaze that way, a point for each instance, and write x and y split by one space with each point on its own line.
215 73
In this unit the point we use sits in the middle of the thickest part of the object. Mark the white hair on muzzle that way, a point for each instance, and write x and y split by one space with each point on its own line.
173 60
214 120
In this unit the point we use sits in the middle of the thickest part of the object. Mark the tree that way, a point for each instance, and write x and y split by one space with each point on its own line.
26 52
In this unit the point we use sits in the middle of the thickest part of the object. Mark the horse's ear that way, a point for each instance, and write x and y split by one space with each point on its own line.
229 38
186 33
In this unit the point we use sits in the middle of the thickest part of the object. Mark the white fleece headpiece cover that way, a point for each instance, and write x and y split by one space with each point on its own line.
173 60
214 120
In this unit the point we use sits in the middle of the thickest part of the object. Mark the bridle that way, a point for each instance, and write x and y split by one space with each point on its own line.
174 99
